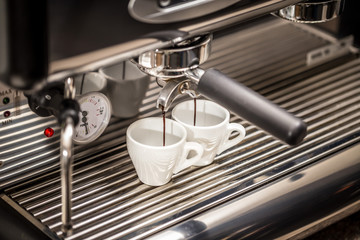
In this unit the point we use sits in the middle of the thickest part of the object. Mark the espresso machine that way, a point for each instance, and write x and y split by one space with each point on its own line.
288 71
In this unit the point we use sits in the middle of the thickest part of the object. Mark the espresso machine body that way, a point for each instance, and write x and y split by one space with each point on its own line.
307 64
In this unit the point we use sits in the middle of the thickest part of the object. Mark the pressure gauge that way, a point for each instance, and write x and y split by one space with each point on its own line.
94 116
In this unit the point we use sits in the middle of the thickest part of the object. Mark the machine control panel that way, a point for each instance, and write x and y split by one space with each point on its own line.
10 105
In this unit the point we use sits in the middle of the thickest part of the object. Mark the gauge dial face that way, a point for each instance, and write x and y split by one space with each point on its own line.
94 116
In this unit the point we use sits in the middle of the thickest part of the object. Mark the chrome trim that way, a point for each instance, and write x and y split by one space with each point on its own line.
175 61
312 11
310 188
323 222
66 162
70 91
174 89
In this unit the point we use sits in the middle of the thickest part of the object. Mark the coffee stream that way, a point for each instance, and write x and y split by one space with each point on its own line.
163 115
194 111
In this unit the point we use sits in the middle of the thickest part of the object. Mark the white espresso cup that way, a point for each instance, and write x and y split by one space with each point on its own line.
212 128
155 163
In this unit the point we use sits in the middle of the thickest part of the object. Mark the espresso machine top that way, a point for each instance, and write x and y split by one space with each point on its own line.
309 79
69 37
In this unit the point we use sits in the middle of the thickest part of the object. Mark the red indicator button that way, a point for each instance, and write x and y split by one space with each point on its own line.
7 114
49 132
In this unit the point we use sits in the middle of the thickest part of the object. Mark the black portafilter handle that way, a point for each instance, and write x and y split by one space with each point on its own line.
252 106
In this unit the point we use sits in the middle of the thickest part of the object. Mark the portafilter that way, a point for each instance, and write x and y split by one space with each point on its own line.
177 71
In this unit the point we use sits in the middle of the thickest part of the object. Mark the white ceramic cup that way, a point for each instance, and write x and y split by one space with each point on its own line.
212 129
155 163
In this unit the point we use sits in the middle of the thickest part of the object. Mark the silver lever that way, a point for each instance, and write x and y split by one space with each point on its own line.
66 163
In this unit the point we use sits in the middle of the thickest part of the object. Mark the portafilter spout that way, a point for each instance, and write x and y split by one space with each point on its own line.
178 68
171 89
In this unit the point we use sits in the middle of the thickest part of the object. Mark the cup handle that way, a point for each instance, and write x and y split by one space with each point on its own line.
185 162
232 127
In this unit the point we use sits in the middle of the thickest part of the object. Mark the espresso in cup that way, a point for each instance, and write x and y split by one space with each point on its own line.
211 128
154 163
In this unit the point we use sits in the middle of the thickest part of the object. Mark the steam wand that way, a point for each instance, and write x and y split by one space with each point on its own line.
58 100
66 162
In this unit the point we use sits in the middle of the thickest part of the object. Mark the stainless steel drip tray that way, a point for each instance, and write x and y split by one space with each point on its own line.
258 189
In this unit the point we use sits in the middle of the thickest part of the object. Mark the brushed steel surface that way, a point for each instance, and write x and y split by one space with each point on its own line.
108 199
252 216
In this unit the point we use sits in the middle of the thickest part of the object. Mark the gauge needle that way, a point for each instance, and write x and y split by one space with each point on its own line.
84 120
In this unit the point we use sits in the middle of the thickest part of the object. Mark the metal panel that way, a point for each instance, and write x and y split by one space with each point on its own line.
108 199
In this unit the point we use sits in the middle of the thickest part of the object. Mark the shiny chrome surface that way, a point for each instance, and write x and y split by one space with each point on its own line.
109 202
66 162
175 61
70 90
312 11
176 68
62 68
322 186
164 12
174 89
